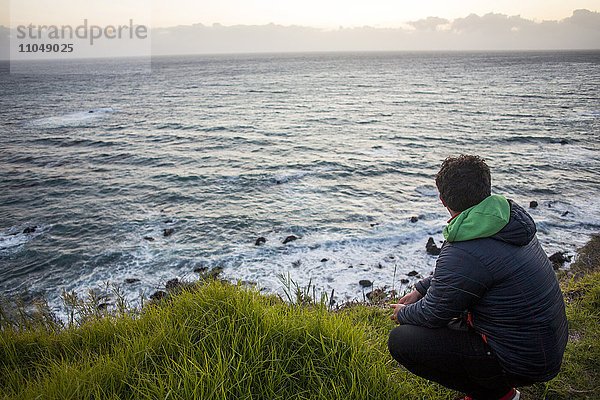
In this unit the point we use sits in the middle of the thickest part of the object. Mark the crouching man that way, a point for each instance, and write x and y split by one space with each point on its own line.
492 316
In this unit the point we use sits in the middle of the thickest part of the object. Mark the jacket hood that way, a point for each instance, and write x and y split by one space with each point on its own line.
479 221
520 229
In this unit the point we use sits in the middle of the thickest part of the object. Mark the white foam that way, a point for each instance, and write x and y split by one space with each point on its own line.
76 118
384 152
289 176
13 240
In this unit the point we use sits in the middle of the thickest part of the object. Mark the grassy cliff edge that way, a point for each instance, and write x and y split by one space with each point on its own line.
226 341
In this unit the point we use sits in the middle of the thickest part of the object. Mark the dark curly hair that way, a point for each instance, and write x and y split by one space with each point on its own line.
463 181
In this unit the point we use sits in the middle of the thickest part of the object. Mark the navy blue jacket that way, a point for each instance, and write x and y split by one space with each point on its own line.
508 286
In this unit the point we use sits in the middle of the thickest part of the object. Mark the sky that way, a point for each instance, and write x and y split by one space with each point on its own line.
268 26
327 14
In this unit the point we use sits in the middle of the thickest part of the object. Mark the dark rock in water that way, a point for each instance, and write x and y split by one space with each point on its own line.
432 248
412 273
404 280
30 229
290 238
324 260
365 283
200 269
374 224
379 266
278 182
296 263
559 258
565 213
172 284
168 221
103 306
149 238
131 280
168 232
414 219
91 111
260 240
158 295
564 141
533 204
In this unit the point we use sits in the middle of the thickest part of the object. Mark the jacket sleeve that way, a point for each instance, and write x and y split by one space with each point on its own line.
423 285
458 281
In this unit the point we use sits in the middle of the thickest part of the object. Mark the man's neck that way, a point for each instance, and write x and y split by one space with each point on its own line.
452 212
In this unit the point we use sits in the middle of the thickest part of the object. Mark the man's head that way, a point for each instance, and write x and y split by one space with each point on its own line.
463 181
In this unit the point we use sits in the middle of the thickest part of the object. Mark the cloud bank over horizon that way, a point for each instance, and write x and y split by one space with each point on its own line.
487 32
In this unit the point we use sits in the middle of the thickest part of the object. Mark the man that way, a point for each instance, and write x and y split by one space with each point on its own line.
492 316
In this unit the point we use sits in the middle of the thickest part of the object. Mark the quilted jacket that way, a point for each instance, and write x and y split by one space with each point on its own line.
502 278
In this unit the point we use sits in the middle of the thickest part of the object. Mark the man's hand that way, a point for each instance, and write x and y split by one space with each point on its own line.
410 298
396 308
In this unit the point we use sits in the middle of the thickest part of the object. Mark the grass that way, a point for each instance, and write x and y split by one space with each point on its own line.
224 341
221 342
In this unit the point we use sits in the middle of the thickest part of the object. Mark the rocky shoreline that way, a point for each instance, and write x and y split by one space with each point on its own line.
379 296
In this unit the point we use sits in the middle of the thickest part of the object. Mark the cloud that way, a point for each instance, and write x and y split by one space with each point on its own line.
584 18
428 24
499 31
487 32
490 24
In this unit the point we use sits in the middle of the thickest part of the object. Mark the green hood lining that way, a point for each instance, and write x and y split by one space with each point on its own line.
480 221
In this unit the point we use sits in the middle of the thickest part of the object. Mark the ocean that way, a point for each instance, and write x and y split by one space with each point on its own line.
337 149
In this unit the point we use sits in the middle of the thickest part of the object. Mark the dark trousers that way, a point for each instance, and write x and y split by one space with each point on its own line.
456 358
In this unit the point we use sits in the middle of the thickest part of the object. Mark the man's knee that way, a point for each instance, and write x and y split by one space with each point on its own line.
400 343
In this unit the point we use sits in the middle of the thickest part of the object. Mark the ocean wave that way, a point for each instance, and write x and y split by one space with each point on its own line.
587 113
71 142
427 190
